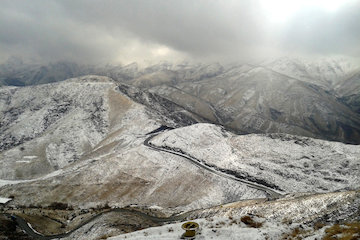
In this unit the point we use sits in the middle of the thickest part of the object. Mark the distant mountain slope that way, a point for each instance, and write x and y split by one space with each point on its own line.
325 72
263 101
17 73
349 91
316 98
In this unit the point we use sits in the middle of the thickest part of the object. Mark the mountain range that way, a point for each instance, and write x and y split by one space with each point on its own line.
143 147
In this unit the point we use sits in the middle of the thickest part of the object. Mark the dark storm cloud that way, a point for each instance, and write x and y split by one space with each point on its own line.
94 31
198 28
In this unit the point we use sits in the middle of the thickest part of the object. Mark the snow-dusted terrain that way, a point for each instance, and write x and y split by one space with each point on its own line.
286 95
92 141
299 217
310 97
47 127
291 163
325 72
97 141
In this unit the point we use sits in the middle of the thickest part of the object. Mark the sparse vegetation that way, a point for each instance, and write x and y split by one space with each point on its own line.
296 234
250 222
318 225
8 230
59 206
106 236
347 231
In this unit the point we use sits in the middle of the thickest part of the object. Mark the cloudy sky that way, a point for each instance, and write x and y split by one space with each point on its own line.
124 31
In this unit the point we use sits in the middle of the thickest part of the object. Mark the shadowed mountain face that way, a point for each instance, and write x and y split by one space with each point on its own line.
16 73
280 104
258 99
317 99
349 91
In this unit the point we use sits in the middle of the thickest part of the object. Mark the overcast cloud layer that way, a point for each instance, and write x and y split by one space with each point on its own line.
90 31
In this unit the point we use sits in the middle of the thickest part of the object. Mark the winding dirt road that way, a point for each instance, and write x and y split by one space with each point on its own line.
271 193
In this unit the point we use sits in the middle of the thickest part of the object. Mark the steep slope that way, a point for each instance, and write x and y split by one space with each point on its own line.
349 91
47 127
261 100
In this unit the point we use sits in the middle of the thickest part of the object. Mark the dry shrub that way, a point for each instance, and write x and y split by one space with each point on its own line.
347 231
287 221
295 232
250 222
233 222
219 224
105 236
58 206
294 235
318 225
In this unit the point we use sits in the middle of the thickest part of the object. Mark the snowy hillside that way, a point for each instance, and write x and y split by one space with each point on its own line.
140 152
47 127
291 163
302 217
94 135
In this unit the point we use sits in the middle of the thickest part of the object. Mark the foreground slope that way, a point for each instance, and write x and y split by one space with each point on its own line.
322 216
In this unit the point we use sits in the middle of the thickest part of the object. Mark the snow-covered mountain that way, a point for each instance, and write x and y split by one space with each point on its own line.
349 91
47 127
164 142
82 140
17 73
260 100
325 72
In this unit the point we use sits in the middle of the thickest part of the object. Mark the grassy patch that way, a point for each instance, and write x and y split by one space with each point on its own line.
297 233
347 231
250 222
